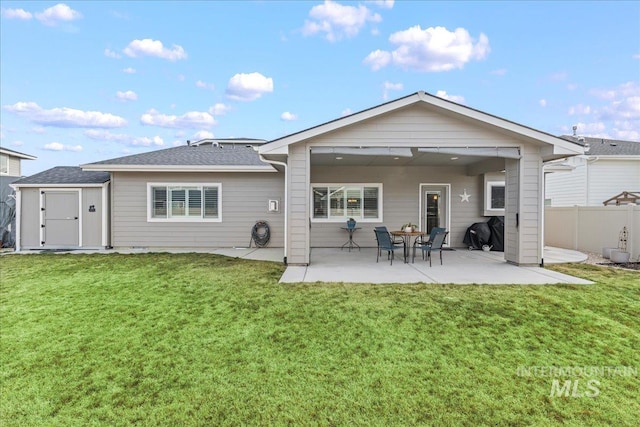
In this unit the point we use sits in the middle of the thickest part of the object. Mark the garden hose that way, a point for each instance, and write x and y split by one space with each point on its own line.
260 234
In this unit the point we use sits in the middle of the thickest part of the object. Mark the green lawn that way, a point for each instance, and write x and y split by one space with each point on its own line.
196 339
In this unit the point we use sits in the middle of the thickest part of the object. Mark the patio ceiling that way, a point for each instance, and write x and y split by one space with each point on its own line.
417 159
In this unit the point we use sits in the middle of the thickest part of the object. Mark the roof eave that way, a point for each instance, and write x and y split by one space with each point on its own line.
177 168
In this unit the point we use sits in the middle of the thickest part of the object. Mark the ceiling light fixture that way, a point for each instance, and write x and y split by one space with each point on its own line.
454 158
338 158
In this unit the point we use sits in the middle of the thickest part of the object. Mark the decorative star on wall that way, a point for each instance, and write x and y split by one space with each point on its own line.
464 197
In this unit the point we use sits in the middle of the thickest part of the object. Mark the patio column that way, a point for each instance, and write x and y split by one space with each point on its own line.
298 198
523 216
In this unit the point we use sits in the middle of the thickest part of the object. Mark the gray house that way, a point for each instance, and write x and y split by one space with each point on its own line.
418 159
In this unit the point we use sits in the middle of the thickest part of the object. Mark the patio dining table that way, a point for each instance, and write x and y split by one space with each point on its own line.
406 238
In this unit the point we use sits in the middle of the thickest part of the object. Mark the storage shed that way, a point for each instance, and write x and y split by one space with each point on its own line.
63 208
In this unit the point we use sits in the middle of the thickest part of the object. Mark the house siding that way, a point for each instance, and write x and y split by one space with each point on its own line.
568 188
91 221
245 199
608 178
14 166
416 125
30 218
401 200
592 181
298 214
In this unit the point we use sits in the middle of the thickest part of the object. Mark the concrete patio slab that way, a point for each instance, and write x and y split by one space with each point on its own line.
459 267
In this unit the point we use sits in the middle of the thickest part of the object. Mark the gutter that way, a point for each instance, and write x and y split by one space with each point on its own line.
286 202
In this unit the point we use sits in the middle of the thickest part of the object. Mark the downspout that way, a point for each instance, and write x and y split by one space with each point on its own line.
286 202
587 164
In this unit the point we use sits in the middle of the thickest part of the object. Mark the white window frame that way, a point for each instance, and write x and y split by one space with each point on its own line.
489 210
201 185
344 218
4 164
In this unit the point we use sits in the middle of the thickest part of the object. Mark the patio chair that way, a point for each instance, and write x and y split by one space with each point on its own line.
421 243
386 244
396 240
435 246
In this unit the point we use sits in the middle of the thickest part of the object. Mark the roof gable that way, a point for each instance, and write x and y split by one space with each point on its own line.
560 146
16 154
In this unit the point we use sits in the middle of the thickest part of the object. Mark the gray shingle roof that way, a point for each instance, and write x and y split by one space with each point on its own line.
606 147
66 175
194 155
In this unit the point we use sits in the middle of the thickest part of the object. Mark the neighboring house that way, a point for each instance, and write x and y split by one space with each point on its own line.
607 168
419 159
10 171
10 162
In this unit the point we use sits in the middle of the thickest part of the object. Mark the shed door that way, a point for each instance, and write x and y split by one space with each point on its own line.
61 223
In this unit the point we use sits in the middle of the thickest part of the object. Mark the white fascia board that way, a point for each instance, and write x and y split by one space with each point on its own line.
16 154
616 157
92 185
177 168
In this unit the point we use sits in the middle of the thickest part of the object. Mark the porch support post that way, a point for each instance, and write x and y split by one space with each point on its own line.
523 220
298 206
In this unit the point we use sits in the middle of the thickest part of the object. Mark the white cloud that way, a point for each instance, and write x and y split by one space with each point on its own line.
65 117
542 102
384 4
432 49
387 86
572 86
111 54
127 96
16 14
337 21
145 141
177 143
105 135
579 109
17 143
499 72
58 13
559 76
346 112
617 118
190 119
56 146
454 98
149 47
249 87
202 134
205 85
288 117
129 70
636 56
219 109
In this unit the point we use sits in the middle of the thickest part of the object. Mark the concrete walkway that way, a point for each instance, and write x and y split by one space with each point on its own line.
459 267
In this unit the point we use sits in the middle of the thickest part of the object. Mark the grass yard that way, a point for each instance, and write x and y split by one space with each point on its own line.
196 339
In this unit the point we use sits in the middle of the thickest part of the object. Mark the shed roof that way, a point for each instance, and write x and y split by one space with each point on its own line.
65 175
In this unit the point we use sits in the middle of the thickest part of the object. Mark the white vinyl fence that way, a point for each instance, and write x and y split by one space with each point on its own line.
591 228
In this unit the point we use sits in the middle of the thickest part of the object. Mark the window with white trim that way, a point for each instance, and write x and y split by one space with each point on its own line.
184 202
495 196
4 164
339 202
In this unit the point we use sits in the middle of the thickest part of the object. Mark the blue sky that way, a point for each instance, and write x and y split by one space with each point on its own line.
88 81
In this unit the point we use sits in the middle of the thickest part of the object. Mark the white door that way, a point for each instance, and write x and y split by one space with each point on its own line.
61 219
435 202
